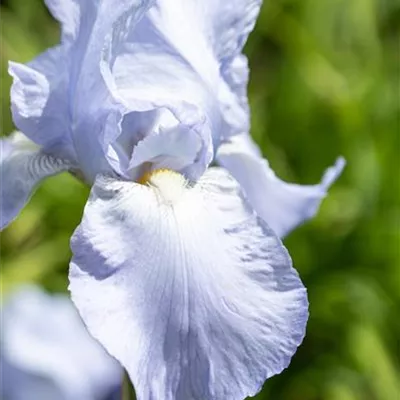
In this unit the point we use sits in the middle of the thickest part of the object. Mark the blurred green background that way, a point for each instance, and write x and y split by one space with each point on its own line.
324 82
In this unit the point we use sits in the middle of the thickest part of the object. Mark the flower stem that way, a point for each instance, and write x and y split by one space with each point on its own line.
128 392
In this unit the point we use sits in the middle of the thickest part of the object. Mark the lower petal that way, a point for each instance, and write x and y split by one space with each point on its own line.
186 286
282 205
22 167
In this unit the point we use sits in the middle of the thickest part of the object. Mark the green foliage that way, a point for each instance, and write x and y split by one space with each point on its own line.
324 82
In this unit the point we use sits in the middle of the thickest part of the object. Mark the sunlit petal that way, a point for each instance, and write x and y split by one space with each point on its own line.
282 205
60 99
186 287
184 56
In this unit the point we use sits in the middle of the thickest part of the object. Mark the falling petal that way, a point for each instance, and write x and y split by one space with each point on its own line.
282 205
186 286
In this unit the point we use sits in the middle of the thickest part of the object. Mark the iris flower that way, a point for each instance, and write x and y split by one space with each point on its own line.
47 354
178 268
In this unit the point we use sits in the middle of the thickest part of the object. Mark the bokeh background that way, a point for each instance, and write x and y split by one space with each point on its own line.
325 81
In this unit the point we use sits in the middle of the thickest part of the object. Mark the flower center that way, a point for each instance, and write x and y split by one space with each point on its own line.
169 184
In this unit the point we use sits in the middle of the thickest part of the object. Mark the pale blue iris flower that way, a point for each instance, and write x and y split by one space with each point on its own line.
177 268
47 354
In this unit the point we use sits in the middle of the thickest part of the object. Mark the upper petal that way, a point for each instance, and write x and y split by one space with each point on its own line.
47 354
145 72
67 12
96 116
282 205
175 148
202 38
60 100
39 102
186 287
22 167
184 55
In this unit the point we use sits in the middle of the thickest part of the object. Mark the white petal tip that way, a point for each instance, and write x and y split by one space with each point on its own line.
332 173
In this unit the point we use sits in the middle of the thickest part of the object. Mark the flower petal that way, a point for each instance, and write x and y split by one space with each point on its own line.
148 74
22 167
233 98
174 148
184 56
238 20
67 13
94 112
186 286
46 349
72 99
60 100
282 205
38 102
